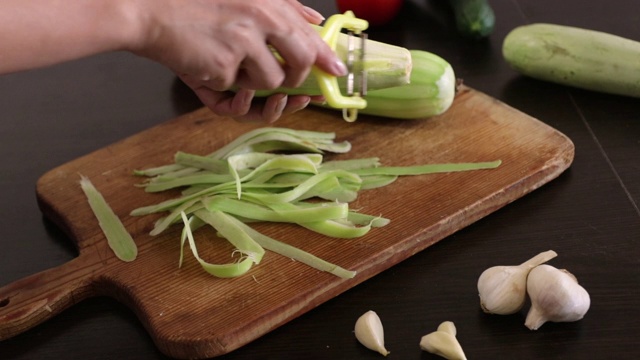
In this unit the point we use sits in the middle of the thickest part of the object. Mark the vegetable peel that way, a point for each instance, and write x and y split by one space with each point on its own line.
118 238
298 188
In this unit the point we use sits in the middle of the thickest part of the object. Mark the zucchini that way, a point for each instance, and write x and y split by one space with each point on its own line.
474 18
430 92
575 57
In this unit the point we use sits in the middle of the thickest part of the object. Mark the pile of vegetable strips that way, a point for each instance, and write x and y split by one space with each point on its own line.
276 175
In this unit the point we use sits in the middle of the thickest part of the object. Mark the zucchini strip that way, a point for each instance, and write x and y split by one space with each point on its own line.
426 169
243 182
224 270
295 253
246 209
236 235
118 238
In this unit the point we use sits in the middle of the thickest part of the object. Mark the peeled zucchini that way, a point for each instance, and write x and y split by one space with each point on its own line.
430 92
575 57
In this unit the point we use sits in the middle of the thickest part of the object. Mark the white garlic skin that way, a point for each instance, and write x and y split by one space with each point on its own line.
370 333
502 289
555 296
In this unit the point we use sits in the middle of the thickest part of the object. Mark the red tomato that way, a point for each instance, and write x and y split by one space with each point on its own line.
376 12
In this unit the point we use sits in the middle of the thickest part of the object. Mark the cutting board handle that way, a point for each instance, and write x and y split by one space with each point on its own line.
32 300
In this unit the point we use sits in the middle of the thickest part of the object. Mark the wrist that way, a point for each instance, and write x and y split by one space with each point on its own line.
130 24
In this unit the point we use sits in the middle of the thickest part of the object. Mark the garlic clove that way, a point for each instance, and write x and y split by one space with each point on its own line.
443 343
448 327
502 289
555 296
370 333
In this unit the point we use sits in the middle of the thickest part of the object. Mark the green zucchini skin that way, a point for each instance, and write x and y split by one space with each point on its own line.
474 18
575 57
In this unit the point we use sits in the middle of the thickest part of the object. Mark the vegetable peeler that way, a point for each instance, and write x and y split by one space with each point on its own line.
356 77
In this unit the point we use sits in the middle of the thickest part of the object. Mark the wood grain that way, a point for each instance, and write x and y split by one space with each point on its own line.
190 314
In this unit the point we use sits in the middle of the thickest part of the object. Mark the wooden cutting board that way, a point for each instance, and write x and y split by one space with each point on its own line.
191 314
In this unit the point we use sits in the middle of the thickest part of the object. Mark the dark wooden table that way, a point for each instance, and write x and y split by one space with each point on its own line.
590 215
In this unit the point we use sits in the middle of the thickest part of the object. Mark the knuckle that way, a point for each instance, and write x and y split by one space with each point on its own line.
273 80
223 75
303 59
296 79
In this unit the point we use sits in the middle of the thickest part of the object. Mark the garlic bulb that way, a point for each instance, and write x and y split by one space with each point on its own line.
502 289
443 342
370 333
555 296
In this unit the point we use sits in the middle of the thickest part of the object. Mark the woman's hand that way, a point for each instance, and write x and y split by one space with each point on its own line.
214 45
242 105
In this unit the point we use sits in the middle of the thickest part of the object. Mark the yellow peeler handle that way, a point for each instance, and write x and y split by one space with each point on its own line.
329 84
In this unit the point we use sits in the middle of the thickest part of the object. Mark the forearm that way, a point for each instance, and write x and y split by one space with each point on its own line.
37 33
213 45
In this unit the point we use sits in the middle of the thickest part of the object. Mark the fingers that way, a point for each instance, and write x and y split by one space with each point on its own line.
261 70
268 112
274 107
308 13
226 103
237 52
300 51
296 103
302 47
286 32
243 107
311 15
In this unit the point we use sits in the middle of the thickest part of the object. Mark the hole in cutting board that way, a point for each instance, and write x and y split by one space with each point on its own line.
4 302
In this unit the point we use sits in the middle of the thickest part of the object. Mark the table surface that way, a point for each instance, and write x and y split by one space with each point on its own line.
590 215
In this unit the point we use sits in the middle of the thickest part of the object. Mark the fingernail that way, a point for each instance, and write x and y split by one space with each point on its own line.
339 68
314 14
280 107
247 96
318 99
302 105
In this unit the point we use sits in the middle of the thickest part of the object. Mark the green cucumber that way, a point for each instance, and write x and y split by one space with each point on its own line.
474 18
575 57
